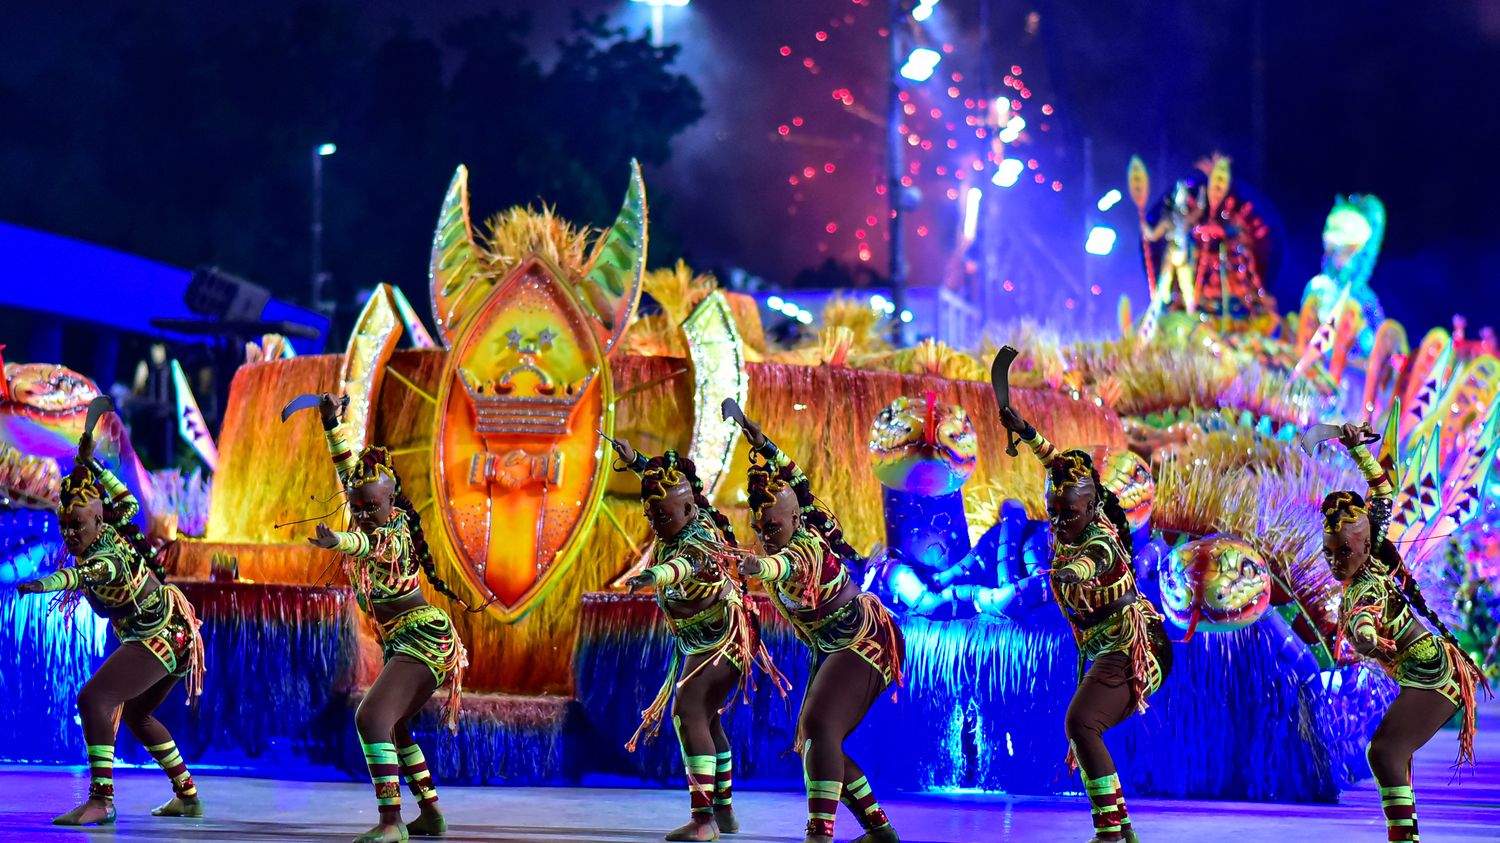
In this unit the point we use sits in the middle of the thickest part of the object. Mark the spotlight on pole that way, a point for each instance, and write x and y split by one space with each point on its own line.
1101 240
659 17
328 149
920 64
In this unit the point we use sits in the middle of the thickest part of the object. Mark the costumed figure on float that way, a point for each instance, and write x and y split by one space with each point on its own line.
1214 246
1351 245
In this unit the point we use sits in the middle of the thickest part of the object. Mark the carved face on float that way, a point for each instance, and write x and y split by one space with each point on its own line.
1216 584
1129 477
43 408
922 446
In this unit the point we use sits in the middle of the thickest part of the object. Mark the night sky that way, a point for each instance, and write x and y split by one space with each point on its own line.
1372 96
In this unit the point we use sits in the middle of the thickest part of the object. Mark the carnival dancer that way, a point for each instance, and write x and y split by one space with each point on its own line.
1436 677
716 636
1118 630
856 647
385 557
121 577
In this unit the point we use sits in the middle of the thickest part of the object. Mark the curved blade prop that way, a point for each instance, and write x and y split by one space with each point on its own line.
1000 381
305 401
97 407
1320 433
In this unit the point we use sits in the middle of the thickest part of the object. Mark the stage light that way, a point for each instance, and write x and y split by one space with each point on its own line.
1009 172
920 64
1109 200
906 316
774 302
877 302
923 11
971 212
328 149
1101 240
1013 128
805 318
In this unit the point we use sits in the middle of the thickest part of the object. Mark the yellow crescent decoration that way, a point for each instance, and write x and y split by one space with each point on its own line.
370 346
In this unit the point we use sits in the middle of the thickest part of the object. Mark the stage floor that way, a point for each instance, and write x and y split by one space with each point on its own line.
247 809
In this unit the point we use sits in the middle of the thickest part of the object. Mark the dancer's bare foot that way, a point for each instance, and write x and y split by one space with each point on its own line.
179 806
696 830
728 822
384 833
430 823
96 811
884 834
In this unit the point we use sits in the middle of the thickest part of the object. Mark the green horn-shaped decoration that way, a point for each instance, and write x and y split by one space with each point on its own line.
453 258
612 284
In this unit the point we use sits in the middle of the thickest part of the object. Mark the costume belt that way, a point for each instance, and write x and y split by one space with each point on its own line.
1090 619
410 618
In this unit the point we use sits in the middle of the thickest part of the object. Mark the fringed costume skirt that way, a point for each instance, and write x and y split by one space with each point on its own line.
426 634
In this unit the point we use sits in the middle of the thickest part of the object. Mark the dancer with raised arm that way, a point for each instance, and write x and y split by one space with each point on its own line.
1436 677
856 646
1118 630
120 575
716 638
385 556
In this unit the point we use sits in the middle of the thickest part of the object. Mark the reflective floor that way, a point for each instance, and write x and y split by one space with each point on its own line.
264 809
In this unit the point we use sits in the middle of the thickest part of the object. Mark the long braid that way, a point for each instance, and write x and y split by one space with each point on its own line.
763 484
1391 559
1345 507
686 466
423 554
669 471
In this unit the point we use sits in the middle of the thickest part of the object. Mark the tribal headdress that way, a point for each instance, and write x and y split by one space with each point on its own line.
664 473
764 482
374 461
1074 467
78 488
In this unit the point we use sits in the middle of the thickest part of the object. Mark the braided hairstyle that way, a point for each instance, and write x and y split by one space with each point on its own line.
1071 468
1343 507
668 471
82 486
764 484
375 461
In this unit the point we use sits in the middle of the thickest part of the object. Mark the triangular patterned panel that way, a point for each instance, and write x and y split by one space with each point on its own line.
1433 363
